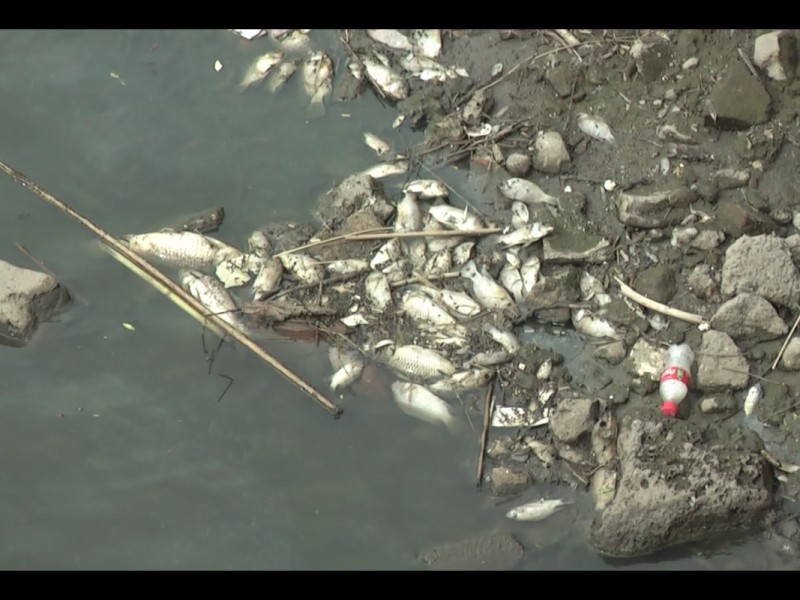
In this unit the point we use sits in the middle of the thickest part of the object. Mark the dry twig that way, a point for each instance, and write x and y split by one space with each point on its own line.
657 306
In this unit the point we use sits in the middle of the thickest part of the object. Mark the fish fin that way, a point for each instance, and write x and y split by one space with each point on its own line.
316 108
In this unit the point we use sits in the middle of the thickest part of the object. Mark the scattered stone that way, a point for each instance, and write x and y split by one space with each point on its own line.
474 110
749 316
518 164
791 355
672 489
656 209
657 283
646 359
702 283
573 416
651 58
738 100
731 179
362 220
507 482
708 239
763 265
550 153
495 551
776 53
591 377
26 299
611 352
720 364
352 194
736 219
718 403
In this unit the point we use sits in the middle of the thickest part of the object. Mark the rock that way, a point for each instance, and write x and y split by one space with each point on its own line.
651 58
702 284
656 209
26 299
550 153
646 359
708 239
474 110
738 100
352 194
494 551
573 416
791 355
720 364
673 489
591 377
749 316
507 482
763 265
737 219
776 53
719 403
611 352
518 164
657 283
362 220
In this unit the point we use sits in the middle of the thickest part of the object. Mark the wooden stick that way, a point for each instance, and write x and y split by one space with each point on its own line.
487 418
785 343
657 306
165 285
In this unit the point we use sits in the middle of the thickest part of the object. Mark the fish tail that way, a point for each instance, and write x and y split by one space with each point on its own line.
316 108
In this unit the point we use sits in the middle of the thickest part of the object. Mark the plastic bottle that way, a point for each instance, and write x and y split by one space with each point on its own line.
676 378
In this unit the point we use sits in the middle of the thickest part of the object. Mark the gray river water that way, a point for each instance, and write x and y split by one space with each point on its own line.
116 452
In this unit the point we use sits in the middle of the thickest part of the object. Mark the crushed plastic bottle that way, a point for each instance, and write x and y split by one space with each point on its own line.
676 378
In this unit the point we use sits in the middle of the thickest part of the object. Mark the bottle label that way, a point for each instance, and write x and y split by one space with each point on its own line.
677 373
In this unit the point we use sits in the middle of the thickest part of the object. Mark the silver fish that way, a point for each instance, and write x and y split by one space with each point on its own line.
421 307
418 401
346 266
409 214
427 42
427 188
504 337
459 304
537 511
387 169
302 266
378 291
347 374
233 272
420 364
317 82
390 37
512 281
282 74
595 127
463 381
297 41
381 147
517 188
268 280
487 292
260 68
530 273
390 252
462 253
389 83
178 248
455 218
213 296
525 235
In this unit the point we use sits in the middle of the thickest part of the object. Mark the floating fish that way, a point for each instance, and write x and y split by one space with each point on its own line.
455 218
297 41
213 296
347 374
317 82
387 169
282 74
178 248
420 364
487 292
250 34
595 128
537 511
389 83
381 147
517 188
427 188
418 401
257 71
232 272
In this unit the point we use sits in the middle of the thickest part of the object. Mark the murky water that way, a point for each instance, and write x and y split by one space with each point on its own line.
117 452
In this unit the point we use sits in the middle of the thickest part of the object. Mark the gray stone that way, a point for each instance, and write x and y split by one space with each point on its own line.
572 417
776 53
720 364
791 355
738 100
550 153
708 239
749 316
673 488
702 284
657 283
26 299
611 352
507 482
763 265
352 194
494 551
518 164
718 403
736 218
646 359
651 59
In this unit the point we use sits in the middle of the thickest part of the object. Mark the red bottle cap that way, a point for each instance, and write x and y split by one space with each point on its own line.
669 409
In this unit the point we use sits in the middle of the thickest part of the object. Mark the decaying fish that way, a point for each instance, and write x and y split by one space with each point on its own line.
268 279
438 263
347 266
391 38
504 337
317 82
544 452
512 281
390 252
517 188
421 307
515 416
297 41
487 292
250 34
595 127
213 296
259 244
525 235
490 359
178 248
592 289
381 147
409 214
603 486
389 83
427 188
537 511
427 42
455 218
378 291
347 374
387 169
459 304
282 74
260 68
233 272
302 266
520 215
206 222
420 364
419 402
754 394
589 324
462 253
463 381
530 273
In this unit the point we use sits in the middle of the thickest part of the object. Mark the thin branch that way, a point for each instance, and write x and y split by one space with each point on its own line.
657 306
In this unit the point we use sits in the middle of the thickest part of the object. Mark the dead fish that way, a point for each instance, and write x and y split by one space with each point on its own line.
427 42
754 394
409 214
420 363
347 374
589 324
462 253
421 307
592 289
391 38
427 189
537 511
378 291
268 279
389 83
520 215
178 248
515 416
525 235
282 74
297 41
517 188
260 68
250 34
487 292
418 401
512 281
206 222
233 272
435 244
490 359
213 296
530 273
347 266
303 267
387 169
258 243
317 82
595 128
389 253
463 381
504 337
455 218
381 147
459 304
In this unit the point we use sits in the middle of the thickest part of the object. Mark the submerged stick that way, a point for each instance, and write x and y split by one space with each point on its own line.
168 287
657 306
487 418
